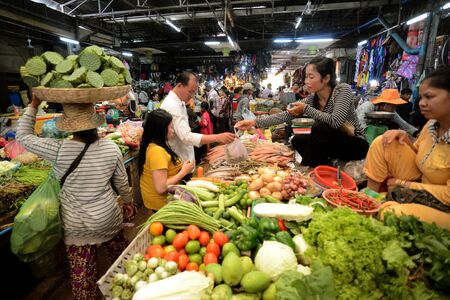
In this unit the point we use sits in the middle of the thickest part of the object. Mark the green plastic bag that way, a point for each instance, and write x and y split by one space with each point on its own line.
37 226
372 131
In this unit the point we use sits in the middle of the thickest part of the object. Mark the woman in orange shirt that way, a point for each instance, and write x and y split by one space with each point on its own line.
159 166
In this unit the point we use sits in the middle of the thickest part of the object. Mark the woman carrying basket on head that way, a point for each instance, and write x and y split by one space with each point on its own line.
90 212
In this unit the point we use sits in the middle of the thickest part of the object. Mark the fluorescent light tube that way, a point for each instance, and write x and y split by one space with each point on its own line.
298 22
362 43
324 40
230 40
221 26
282 40
447 5
212 43
128 54
70 41
172 25
417 19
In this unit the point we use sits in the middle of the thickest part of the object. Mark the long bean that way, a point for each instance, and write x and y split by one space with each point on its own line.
180 214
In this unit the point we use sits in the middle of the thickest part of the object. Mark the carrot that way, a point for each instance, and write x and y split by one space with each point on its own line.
200 172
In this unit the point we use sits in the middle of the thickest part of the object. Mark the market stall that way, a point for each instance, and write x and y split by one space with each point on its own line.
252 226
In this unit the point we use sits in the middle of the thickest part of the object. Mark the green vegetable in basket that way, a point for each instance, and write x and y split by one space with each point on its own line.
90 60
52 58
36 66
127 75
110 77
60 84
65 66
116 63
31 81
94 79
77 76
73 57
117 290
94 49
84 86
46 79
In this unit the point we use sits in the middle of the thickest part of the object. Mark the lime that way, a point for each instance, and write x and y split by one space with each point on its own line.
197 258
202 267
159 240
170 235
169 249
192 247
202 251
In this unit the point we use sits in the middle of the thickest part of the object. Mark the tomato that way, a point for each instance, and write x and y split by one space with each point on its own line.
192 247
182 251
169 248
147 257
156 228
183 260
172 256
193 232
220 238
180 241
213 248
204 238
192 266
159 240
155 251
210 258
185 233
170 234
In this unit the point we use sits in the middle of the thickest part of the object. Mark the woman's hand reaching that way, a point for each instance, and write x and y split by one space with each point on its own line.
187 167
297 109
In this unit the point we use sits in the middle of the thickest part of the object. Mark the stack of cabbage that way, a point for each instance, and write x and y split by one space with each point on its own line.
90 69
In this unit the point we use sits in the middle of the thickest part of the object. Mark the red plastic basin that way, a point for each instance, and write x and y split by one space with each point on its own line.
328 177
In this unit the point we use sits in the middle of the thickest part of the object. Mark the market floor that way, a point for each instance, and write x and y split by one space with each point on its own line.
62 282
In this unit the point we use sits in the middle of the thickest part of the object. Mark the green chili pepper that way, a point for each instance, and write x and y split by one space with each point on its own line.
285 238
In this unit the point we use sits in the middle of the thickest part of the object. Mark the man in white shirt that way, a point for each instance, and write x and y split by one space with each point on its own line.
175 103
267 91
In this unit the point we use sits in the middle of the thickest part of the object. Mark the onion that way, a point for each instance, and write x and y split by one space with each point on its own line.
278 179
264 192
274 187
253 195
267 177
277 195
256 185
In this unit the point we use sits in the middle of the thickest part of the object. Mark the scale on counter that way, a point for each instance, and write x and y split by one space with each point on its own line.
377 122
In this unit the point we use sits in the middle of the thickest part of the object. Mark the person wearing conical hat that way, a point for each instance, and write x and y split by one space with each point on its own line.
388 102
90 213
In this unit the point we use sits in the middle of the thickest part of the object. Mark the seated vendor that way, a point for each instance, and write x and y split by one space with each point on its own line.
159 166
336 132
388 102
418 174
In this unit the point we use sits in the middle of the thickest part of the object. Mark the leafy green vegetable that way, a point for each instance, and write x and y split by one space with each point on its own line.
428 245
293 285
356 248
53 58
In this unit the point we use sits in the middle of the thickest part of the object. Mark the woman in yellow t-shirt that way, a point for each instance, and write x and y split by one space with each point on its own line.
159 166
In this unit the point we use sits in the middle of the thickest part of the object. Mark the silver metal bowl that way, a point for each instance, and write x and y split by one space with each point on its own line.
302 121
380 115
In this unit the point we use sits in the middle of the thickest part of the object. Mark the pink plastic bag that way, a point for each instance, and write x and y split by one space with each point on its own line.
131 133
13 149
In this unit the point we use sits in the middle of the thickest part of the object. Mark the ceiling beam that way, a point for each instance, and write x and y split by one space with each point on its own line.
132 17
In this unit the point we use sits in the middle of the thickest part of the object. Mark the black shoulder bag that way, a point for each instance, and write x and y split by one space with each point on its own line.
74 164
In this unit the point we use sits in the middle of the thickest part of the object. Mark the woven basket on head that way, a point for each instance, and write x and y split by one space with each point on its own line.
80 95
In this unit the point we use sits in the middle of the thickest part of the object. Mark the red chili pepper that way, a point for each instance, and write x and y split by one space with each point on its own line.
281 224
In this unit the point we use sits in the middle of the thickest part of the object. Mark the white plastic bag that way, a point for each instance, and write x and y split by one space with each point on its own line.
248 115
236 151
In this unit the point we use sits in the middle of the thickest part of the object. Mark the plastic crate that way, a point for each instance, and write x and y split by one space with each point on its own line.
138 245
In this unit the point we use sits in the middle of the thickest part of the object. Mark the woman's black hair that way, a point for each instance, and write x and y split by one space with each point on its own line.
238 90
205 105
155 131
325 66
87 136
439 78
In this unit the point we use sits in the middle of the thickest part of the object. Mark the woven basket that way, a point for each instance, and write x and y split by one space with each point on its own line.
82 95
138 245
